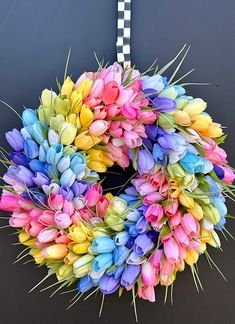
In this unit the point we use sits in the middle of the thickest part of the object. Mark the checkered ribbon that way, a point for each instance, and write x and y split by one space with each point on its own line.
124 33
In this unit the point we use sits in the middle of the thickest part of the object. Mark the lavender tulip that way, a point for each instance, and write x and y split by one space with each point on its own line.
24 175
66 193
142 225
79 187
15 139
145 161
41 179
19 158
108 284
164 104
130 275
143 244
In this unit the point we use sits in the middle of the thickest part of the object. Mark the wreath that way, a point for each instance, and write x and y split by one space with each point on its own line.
170 210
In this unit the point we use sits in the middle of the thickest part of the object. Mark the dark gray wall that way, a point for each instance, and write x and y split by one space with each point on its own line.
34 41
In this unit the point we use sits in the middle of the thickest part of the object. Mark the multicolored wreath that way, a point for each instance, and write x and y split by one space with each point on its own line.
163 221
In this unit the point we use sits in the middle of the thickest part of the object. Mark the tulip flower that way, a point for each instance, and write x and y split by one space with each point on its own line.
55 251
29 117
47 98
145 161
67 132
171 250
147 293
15 139
154 213
110 92
84 87
143 244
64 271
84 141
102 244
130 275
154 82
62 106
121 238
114 222
62 220
86 116
148 274
108 284
54 154
102 262
120 255
47 235
67 87
98 127
190 225
195 106
83 265
31 148
84 284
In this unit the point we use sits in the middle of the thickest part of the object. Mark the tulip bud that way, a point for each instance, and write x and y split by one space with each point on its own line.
84 87
211 213
114 222
182 118
191 257
186 200
26 239
53 137
86 116
64 271
79 248
195 106
67 133
55 251
84 141
67 87
62 106
47 98
169 92
70 258
176 172
83 265
166 121
56 121
196 211
76 102
98 127
37 255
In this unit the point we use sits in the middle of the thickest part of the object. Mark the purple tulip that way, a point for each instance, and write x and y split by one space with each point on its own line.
19 158
66 193
24 175
142 225
79 187
145 161
130 275
167 143
116 273
108 284
15 139
219 172
134 259
143 244
151 93
151 131
164 104
41 179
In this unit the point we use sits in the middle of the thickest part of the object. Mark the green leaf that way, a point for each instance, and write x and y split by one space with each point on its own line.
221 139
167 202
164 231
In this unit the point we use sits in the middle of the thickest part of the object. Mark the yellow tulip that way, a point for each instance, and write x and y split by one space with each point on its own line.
62 106
84 141
74 119
201 248
80 233
185 200
191 257
76 102
182 118
71 257
97 161
168 92
55 251
26 239
84 87
205 236
196 211
47 98
83 265
64 271
67 133
67 87
79 248
109 196
215 240
214 130
176 172
195 106
114 222
86 116
56 121
211 213
36 254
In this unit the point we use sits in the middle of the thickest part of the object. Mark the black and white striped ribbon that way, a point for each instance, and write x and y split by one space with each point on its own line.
124 33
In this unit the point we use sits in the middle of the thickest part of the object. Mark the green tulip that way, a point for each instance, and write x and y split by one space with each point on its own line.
67 133
62 106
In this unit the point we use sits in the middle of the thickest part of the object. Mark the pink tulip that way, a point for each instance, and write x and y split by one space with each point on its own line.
76 218
84 76
93 195
190 225
97 88
112 73
110 92
182 255
124 97
171 250
148 274
9 202
154 213
47 235
113 110
180 236
100 112
35 213
68 207
55 202
229 175
194 244
62 238
85 214
152 198
213 152
118 154
147 293
147 117
92 101
175 219
47 218
171 209
143 186
132 139
156 259
35 228
19 219
130 110
101 206
98 127
62 220
166 270
115 129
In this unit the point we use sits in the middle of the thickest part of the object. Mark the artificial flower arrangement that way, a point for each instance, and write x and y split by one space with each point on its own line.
170 211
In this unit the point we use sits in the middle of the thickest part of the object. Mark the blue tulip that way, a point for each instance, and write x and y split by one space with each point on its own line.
121 238
67 178
31 148
158 154
15 139
78 163
29 116
84 284
164 104
102 244
39 132
133 215
180 90
102 262
54 154
43 151
63 164
192 163
120 255
37 166
51 171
